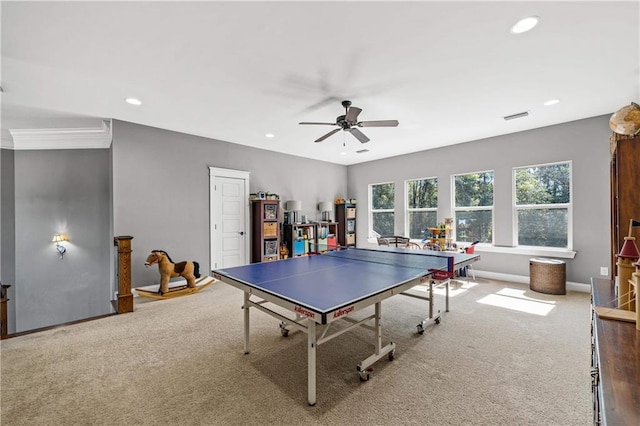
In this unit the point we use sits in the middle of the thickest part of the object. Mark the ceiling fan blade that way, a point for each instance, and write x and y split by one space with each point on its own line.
359 135
352 114
379 123
327 135
323 124
326 101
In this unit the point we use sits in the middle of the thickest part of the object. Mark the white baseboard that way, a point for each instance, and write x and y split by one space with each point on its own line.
585 288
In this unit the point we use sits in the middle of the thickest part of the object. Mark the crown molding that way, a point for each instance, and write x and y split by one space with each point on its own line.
6 142
70 138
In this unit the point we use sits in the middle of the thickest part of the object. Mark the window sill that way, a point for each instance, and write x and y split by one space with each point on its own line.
519 251
528 251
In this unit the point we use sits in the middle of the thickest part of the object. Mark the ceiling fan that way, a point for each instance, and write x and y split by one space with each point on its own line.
349 123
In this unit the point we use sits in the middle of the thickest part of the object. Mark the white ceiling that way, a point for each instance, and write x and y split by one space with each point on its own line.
234 71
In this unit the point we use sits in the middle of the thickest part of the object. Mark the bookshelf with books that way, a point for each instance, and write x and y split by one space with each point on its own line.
300 238
327 236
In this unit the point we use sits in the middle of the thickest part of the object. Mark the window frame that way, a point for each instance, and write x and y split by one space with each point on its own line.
455 209
408 210
372 233
516 208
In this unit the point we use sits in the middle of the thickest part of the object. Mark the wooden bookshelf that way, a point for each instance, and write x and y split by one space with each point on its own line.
265 230
346 218
300 238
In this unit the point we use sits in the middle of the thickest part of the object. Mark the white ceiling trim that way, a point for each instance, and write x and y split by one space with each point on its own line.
71 138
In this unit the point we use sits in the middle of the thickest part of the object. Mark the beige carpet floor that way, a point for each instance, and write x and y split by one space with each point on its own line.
503 355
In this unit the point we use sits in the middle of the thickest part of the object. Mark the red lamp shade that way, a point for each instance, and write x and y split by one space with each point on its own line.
629 249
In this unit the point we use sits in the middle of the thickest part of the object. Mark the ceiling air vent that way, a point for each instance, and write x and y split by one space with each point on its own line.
362 151
518 115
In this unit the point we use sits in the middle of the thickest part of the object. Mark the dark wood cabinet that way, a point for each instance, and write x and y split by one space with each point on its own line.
265 230
346 218
625 184
615 362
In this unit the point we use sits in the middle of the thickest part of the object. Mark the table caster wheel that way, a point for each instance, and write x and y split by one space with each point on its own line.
420 328
366 374
283 330
392 355
437 320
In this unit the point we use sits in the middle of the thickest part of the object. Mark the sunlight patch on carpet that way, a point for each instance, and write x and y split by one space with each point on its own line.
515 300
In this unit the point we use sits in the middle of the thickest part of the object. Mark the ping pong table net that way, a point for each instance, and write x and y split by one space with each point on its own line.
441 266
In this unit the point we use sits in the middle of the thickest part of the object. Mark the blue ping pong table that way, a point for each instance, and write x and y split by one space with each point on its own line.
321 289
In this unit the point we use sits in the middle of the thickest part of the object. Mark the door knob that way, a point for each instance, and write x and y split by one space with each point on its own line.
241 232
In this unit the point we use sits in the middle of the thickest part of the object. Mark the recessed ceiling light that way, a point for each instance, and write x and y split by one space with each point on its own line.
343 153
525 24
269 135
133 101
551 102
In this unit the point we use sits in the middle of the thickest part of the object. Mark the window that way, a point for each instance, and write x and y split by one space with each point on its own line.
473 207
382 199
542 207
422 206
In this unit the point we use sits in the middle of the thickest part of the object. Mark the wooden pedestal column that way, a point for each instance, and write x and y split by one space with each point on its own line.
125 297
3 310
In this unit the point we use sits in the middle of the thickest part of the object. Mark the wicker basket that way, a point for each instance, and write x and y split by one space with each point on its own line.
548 276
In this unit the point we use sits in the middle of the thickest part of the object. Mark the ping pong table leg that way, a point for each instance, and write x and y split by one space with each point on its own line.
246 321
363 368
446 298
311 363
378 326
431 299
432 318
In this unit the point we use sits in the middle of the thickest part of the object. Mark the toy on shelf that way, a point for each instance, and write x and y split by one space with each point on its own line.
628 260
440 237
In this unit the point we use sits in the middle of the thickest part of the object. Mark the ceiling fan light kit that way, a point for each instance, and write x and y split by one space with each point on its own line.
349 123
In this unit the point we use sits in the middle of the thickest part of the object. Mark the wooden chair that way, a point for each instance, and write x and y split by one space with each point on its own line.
413 246
393 240
382 241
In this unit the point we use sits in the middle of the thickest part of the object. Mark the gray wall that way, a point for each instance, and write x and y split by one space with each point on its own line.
161 189
154 185
584 142
7 231
61 191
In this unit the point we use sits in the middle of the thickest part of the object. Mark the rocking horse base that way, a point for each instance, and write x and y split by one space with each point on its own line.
176 289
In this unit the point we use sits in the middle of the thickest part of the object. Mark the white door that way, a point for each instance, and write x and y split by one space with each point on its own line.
229 218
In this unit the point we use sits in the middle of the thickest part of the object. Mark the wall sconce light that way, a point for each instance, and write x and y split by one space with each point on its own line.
58 238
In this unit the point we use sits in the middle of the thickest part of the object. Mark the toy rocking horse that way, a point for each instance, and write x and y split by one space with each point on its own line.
188 270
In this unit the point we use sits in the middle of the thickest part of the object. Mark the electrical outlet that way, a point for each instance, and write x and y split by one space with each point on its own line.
604 271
